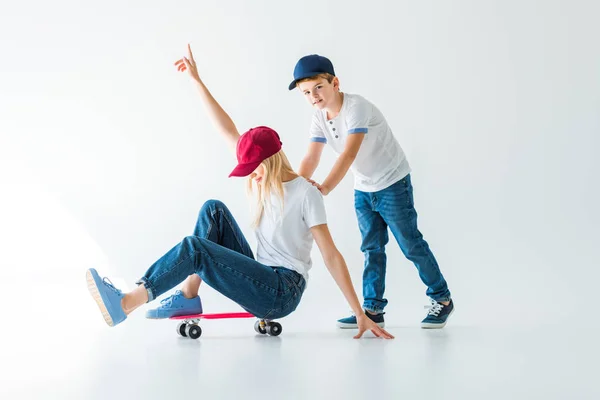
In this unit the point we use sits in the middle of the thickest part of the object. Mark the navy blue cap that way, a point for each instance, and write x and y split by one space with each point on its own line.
309 66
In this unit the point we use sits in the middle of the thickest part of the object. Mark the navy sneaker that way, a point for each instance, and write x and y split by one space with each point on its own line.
350 322
438 315
176 305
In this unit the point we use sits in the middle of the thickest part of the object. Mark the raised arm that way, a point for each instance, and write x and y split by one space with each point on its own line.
219 118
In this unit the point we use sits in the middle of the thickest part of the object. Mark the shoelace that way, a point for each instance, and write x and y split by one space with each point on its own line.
169 300
110 285
435 308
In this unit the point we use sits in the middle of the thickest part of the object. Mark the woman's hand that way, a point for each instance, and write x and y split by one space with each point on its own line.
220 119
366 324
188 64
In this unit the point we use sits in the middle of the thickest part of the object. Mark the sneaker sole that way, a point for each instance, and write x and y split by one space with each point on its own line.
427 325
175 315
149 317
93 289
342 325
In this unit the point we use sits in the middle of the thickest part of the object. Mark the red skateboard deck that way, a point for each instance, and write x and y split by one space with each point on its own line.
215 316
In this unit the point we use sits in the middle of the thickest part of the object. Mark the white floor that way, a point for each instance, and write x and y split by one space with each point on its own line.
63 354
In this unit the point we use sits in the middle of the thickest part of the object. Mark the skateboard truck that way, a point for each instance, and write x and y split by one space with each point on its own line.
267 327
189 326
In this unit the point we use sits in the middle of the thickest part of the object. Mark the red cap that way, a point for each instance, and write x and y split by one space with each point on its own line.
253 147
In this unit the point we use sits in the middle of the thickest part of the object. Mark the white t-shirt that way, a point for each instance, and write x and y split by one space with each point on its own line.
284 239
380 162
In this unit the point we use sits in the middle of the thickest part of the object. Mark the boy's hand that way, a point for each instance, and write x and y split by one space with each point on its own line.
324 191
188 63
366 324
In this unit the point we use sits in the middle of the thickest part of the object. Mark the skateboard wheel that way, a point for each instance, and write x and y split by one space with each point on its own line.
274 328
181 329
259 329
193 331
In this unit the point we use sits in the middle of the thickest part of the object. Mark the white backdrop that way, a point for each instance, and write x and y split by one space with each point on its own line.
106 155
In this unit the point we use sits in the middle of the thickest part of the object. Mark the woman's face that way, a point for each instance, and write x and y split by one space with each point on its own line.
258 174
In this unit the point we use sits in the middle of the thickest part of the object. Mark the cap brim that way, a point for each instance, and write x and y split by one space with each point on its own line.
304 76
244 169
293 85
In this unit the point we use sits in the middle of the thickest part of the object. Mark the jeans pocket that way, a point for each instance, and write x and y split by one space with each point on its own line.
405 191
290 292
288 283
290 301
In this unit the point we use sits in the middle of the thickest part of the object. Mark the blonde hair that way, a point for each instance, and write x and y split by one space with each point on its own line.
324 75
272 184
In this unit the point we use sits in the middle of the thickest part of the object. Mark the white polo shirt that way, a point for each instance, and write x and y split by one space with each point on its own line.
380 161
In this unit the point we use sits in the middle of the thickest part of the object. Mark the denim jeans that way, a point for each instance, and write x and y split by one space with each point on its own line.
393 207
221 256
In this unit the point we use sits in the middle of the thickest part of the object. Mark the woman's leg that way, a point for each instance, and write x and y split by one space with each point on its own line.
242 279
256 287
222 258
216 223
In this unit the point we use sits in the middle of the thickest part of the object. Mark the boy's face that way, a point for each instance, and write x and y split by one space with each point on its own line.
319 92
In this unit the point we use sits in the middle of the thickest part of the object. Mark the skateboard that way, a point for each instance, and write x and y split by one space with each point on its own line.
189 326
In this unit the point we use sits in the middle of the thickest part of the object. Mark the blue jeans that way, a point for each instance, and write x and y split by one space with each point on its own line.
221 256
393 207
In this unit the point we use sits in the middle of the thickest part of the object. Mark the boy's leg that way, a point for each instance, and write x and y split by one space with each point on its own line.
396 205
374 233
373 230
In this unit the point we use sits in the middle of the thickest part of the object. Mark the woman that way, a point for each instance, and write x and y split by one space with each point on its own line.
290 214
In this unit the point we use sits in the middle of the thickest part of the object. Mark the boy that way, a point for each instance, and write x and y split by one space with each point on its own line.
383 197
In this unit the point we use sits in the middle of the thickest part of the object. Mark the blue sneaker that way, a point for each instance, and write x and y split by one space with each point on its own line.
107 297
176 305
438 315
350 322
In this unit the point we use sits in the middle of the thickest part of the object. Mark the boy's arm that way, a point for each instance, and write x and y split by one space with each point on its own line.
343 163
311 159
219 118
